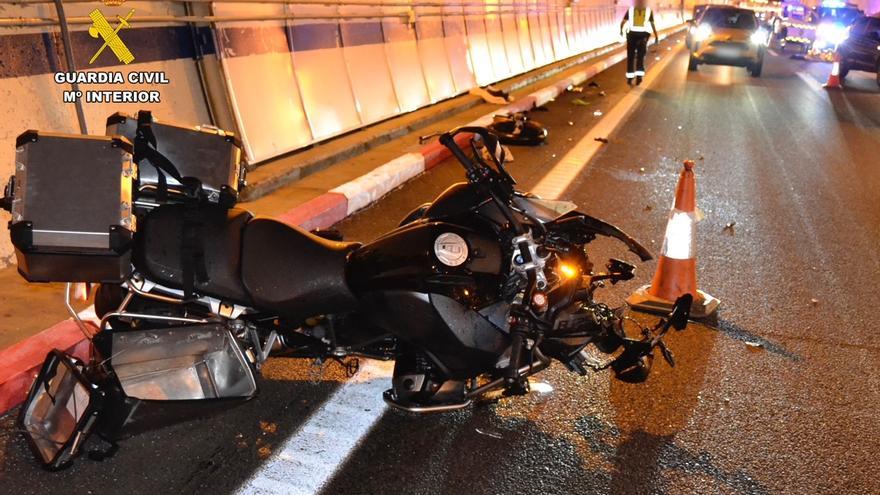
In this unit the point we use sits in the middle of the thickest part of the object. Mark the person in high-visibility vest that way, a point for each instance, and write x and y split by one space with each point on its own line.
636 25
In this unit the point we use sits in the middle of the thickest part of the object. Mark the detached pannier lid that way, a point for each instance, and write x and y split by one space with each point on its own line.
138 380
61 410
71 206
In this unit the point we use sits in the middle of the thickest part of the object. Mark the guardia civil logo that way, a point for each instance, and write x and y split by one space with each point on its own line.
101 28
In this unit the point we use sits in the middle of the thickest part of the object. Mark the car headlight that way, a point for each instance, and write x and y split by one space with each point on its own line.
831 33
702 32
760 37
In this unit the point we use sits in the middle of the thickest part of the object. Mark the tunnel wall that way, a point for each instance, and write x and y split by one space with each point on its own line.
287 83
324 77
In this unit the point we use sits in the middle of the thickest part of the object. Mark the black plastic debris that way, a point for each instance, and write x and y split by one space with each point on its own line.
518 130
601 140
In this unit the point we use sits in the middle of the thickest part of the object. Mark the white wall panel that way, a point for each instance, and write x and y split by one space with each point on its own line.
368 71
405 64
435 59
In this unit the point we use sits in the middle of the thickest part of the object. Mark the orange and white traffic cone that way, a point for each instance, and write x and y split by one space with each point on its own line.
676 273
834 78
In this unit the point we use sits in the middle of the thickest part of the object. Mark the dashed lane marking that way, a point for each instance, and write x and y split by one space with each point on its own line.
811 81
576 160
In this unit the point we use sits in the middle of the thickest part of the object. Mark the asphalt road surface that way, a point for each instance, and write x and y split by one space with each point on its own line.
778 395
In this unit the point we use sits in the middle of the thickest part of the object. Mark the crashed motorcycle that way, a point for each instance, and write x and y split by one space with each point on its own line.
470 295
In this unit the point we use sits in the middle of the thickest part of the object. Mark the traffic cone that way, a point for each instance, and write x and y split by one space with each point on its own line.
834 78
677 267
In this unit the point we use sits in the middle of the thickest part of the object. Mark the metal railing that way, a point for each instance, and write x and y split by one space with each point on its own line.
411 14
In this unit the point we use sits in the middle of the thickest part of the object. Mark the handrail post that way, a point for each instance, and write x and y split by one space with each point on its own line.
71 65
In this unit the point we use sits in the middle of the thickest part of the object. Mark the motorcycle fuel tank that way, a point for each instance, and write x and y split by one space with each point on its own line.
425 281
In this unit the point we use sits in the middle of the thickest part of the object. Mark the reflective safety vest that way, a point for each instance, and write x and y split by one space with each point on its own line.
641 23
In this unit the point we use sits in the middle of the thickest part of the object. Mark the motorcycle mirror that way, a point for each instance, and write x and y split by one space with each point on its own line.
681 311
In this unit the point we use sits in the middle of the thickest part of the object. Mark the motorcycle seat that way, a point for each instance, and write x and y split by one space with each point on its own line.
294 273
159 244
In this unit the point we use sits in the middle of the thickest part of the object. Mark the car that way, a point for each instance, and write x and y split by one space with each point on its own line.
729 36
861 50
814 30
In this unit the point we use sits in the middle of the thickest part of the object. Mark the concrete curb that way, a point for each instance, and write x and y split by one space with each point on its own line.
22 361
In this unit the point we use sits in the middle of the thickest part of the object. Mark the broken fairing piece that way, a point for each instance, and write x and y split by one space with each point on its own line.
518 129
494 96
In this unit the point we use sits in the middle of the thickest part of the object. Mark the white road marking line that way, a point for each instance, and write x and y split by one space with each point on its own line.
811 82
576 160
307 460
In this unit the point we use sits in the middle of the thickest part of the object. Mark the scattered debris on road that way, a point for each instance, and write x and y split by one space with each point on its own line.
489 433
580 102
597 113
754 345
601 140
575 89
814 301
491 95
593 84
729 228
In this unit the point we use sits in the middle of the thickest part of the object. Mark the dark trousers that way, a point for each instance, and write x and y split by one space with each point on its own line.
636 46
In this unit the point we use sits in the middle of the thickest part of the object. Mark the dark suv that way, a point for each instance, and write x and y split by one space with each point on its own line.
861 51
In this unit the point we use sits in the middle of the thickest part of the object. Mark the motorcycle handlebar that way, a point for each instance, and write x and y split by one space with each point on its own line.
448 139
